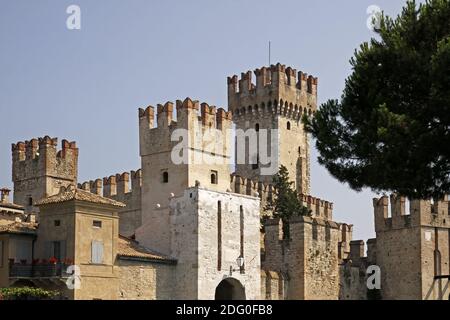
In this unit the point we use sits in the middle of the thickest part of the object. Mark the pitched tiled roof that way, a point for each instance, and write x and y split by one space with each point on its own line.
19 228
73 193
10 206
128 248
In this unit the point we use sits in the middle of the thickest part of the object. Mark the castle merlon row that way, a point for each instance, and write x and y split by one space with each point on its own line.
319 208
114 185
275 225
32 149
357 256
210 116
272 76
422 212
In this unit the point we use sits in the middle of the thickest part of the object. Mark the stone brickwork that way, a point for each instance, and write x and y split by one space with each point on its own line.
220 233
309 257
141 280
39 170
161 177
277 101
412 248
273 285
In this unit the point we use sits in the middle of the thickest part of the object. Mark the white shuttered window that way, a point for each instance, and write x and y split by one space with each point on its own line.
97 252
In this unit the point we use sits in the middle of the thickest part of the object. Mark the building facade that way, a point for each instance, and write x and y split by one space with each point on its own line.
184 226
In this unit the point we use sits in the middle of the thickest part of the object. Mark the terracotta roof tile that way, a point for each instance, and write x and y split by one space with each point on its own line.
19 228
129 248
72 193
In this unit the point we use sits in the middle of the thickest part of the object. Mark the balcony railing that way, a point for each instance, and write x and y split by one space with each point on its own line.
38 271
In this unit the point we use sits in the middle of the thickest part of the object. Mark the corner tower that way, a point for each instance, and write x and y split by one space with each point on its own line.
39 170
276 102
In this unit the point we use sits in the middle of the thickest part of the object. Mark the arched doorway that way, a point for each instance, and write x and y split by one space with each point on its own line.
230 289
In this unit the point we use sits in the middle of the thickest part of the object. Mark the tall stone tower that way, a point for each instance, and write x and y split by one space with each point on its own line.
277 102
39 170
177 154
412 248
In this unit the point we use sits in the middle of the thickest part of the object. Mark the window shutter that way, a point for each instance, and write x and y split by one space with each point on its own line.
97 252
100 252
94 252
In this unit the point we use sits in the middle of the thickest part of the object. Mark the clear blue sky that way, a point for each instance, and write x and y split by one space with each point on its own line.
87 85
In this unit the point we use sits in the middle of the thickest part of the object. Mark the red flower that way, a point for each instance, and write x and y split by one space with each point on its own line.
53 260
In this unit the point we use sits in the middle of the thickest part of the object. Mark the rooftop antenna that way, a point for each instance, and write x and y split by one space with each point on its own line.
269 52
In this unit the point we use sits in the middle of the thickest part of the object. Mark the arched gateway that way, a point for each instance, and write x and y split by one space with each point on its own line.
230 289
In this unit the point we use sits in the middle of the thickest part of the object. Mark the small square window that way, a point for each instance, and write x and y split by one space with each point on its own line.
97 224
57 223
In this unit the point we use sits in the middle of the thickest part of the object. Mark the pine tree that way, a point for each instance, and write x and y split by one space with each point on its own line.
391 129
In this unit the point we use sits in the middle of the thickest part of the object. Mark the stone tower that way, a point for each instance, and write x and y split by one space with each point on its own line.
192 151
412 248
39 170
277 102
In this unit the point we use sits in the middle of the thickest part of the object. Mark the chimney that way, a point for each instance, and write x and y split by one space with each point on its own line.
4 195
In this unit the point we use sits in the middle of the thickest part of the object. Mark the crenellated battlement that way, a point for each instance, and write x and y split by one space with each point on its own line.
40 157
421 213
277 90
191 116
114 186
251 187
265 190
274 229
319 208
210 116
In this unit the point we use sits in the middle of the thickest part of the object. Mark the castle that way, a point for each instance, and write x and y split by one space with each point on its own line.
184 226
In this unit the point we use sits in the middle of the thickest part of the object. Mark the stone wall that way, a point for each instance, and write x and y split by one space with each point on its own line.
309 257
204 260
145 280
39 170
277 101
197 160
412 247
274 285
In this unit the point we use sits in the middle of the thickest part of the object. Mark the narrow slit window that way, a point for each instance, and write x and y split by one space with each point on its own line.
241 225
214 177
165 177
219 235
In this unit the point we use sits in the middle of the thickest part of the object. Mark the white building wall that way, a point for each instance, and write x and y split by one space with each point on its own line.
195 242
